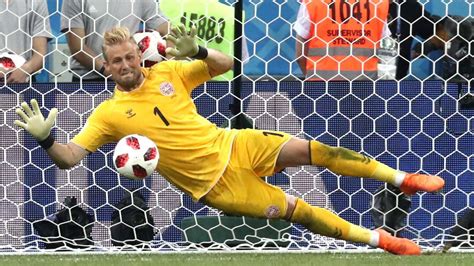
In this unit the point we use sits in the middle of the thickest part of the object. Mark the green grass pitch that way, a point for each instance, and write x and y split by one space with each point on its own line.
253 259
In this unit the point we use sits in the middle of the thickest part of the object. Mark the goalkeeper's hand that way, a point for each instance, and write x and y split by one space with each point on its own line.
34 121
185 43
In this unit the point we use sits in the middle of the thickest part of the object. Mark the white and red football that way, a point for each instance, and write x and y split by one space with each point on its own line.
135 156
152 46
9 61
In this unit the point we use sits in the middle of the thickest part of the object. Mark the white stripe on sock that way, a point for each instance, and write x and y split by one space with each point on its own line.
374 239
399 177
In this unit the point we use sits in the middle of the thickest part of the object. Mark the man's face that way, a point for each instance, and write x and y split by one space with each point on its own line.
123 63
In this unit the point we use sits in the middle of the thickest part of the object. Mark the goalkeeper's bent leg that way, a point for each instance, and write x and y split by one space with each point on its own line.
350 163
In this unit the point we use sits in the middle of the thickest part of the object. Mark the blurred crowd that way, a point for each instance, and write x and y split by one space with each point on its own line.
334 40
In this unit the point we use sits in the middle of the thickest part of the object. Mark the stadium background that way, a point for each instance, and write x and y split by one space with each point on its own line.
412 125
271 52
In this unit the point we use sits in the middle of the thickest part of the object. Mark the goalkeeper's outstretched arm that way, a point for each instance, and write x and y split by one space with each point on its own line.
185 45
66 156
218 62
63 155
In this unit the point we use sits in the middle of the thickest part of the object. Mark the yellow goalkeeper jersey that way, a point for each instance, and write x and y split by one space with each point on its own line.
193 151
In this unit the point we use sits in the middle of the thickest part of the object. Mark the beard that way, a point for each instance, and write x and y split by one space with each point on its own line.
129 82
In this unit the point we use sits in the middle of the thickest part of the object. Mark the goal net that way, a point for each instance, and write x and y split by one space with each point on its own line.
419 121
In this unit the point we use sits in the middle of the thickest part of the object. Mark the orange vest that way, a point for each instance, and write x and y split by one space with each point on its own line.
345 35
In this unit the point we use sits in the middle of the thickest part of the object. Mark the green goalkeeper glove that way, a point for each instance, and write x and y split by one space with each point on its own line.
35 123
185 44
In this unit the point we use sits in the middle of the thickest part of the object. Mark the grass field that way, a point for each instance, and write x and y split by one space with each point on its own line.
253 259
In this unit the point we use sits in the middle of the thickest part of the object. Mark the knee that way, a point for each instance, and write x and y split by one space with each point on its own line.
298 211
294 153
291 205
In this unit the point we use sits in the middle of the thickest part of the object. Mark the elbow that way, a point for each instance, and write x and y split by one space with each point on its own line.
64 165
227 64
222 68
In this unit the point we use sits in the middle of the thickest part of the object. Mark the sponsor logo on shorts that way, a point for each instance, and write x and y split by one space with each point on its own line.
272 212
166 88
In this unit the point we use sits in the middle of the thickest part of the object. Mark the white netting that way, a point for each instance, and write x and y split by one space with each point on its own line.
415 124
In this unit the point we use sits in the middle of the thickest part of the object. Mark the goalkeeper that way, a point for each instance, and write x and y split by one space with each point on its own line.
221 168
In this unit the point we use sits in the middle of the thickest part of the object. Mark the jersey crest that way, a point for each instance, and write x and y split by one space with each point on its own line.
166 88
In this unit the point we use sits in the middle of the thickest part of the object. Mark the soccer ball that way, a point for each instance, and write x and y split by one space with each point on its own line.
9 61
135 156
152 46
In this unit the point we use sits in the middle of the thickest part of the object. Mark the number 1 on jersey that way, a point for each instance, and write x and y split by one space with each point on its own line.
157 112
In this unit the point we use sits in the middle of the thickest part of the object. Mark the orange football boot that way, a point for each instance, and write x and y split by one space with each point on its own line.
420 182
397 245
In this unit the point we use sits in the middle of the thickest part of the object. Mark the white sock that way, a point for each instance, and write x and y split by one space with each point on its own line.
374 239
399 177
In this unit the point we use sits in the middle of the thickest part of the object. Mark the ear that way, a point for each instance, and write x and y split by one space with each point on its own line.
106 66
140 54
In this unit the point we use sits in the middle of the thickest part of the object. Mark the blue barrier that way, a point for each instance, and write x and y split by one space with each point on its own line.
409 125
